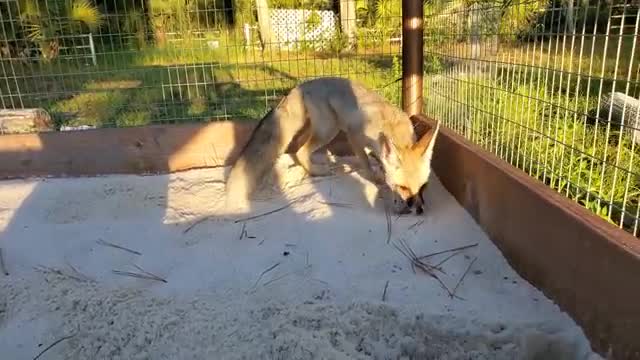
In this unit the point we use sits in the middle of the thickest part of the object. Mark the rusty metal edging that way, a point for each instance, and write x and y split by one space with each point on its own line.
589 267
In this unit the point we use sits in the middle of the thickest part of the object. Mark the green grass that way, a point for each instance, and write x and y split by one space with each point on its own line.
557 146
529 108
185 82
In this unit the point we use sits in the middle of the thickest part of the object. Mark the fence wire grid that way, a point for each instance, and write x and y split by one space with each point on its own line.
116 63
551 86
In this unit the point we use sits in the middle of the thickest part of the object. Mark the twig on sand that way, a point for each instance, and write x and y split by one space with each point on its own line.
416 224
289 204
110 244
79 274
384 292
137 275
264 272
388 216
243 231
340 205
143 274
447 251
463 276
264 214
196 223
276 279
439 265
46 269
430 270
200 221
53 344
3 268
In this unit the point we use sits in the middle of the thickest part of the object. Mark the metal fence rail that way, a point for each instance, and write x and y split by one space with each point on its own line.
551 87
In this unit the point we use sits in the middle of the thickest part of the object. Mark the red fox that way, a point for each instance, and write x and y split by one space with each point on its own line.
316 111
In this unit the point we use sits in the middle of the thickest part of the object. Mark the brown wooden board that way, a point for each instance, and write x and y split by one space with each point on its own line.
136 150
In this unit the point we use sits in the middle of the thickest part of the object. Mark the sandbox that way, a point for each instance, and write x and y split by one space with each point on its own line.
311 272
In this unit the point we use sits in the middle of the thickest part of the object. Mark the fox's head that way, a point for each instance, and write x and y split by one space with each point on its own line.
407 169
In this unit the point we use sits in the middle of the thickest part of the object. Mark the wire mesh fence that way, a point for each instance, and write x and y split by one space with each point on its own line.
550 87
106 63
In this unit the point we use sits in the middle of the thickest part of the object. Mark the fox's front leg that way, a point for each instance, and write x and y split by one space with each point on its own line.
358 148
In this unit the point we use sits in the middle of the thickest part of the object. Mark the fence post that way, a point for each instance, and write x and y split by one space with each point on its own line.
412 56
474 30
348 20
93 50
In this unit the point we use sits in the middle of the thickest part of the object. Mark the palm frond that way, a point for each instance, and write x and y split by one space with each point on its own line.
85 12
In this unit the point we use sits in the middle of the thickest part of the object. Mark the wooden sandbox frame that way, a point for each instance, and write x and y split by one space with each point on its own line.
587 266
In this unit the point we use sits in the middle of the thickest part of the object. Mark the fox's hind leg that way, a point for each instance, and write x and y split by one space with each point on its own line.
322 129
316 141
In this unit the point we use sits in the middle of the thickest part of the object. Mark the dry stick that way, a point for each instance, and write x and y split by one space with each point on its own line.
85 277
276 279
47 269
438 265
243 231
54 344
146 272
142 275
199 221
342 205
447 251
264 272
137 275
384 292
299 198
388 216
2 266
462 277
428 269
106 243
416 224
264 214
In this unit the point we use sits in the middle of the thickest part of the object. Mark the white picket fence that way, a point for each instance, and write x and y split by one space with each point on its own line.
293 27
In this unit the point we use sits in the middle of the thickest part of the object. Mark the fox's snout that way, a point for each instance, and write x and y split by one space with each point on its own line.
417 202
405 206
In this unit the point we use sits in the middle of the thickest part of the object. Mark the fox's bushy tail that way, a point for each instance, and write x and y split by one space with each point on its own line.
268 141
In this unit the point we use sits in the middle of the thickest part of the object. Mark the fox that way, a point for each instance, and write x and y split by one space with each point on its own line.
315 112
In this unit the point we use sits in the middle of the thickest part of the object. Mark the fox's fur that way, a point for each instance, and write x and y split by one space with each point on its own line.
316 111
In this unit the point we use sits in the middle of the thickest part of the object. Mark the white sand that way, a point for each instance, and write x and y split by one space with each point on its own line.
323 300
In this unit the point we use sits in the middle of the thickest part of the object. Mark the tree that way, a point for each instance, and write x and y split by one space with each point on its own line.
264 23
348 20
45 22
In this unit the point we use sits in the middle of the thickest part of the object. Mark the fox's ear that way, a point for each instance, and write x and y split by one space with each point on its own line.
389 150
424 146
